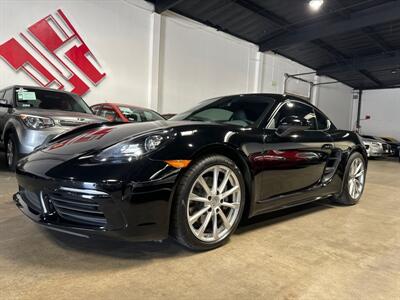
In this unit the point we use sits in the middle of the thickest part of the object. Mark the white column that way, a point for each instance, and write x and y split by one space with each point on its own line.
258 77
315 91
153 81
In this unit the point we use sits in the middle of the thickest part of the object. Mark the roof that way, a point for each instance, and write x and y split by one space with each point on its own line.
122 104
37 88
354 41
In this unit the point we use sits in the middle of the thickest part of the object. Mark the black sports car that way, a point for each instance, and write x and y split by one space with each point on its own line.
194 176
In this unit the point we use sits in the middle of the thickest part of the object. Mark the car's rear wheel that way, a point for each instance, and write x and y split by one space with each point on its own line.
354 180
12 154
209 203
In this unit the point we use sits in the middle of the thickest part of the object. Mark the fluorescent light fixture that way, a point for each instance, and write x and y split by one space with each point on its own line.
315 4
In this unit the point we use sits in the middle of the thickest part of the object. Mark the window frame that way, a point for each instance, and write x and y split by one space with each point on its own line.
329 121
283 103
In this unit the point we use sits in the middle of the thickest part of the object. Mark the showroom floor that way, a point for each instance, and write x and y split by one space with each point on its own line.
317 251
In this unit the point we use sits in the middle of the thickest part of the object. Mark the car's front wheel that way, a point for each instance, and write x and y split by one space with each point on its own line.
209 203
12 153
354 180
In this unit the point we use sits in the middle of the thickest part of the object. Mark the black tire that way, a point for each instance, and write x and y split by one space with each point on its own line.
345 198
11 139
180 225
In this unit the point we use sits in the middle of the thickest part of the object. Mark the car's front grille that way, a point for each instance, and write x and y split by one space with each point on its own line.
79 205
385 147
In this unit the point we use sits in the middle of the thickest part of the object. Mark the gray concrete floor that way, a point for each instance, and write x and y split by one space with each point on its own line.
316 251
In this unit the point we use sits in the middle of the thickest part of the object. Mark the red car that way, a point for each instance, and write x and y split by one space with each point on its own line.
125 113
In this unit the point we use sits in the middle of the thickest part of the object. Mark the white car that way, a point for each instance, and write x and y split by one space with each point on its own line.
375 147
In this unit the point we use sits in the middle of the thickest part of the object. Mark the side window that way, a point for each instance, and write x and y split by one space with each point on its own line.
151 116
131 114
297 110
108 113
8 95
323 123
1 94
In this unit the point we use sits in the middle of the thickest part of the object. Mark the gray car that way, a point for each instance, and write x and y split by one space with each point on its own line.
31 116
376 147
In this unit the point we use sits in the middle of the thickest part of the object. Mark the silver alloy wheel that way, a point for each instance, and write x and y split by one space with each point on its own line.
214 203
356 178
10 152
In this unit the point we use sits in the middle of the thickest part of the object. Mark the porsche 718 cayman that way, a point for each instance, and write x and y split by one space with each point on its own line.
195 176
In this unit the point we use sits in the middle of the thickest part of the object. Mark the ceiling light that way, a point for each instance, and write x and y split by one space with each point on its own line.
315 4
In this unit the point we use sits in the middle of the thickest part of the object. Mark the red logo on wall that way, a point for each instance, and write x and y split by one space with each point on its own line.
55 42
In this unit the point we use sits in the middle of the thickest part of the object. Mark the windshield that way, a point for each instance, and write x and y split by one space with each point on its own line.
43 99
139 115
241 110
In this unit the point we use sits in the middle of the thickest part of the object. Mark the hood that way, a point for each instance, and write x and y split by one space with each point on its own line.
64 118
89 138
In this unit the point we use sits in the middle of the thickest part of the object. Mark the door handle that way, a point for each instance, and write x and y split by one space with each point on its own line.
327 147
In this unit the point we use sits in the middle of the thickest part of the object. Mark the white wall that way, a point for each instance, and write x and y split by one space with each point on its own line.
383 106
274 69
335 100
116 31
169 62
197 63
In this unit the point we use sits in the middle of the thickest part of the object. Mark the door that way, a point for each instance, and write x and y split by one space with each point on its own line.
294 162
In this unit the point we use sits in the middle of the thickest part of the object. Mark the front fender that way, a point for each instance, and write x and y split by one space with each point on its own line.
12 125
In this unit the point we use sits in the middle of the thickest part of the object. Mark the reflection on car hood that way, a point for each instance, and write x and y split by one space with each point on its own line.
91 137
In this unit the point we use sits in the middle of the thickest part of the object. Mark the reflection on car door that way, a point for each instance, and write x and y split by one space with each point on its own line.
295 162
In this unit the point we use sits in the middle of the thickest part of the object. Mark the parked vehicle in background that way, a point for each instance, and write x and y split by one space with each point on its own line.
394 144
31 116
376 147
115 112
168 116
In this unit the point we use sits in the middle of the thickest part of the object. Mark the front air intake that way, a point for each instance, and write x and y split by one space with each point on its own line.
79 205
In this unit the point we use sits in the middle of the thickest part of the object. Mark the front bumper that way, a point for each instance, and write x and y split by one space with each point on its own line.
129 211
30 139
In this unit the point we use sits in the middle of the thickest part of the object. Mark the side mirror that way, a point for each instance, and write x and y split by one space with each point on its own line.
4 103
291 124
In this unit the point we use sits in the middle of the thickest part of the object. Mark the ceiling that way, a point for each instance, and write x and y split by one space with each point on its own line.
354 41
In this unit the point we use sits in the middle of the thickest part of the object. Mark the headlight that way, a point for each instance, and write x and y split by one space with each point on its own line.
36 122
135 148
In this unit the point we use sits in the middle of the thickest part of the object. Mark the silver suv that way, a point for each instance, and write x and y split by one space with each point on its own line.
31 116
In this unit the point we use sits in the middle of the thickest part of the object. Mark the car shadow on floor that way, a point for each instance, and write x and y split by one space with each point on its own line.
118 248
280 216
3 164
168 248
